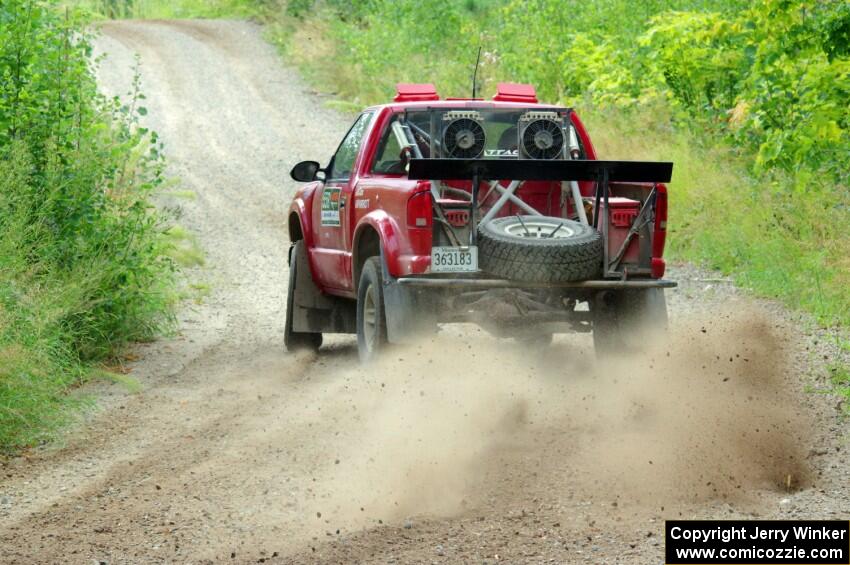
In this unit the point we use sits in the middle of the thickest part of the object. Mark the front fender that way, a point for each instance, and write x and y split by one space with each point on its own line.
301 206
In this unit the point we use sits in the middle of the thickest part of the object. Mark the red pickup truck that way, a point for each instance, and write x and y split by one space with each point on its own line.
464 210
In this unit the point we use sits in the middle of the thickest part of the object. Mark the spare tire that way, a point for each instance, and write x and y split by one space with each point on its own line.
539 249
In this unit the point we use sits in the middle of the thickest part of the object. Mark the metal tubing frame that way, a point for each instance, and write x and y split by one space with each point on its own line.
579 204
600 171
603 188
637 224
473 209
435 195
507 194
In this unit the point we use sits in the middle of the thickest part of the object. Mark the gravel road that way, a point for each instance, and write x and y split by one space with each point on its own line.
461 449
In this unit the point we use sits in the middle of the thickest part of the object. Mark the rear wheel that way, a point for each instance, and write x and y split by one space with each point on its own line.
626 321
371 317
293 340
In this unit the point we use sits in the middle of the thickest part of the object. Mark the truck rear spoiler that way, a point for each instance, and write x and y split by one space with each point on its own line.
533 169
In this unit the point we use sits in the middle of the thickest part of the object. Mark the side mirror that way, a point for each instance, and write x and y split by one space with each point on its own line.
305 171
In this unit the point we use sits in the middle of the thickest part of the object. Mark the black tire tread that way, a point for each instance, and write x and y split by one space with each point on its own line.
542 260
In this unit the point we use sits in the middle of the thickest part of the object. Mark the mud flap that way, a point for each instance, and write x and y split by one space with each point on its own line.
315 311
409 310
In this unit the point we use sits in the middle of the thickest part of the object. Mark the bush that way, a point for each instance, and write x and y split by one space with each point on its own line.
118 9
82 270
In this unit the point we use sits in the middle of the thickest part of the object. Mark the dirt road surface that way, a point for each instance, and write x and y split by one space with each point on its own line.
462 449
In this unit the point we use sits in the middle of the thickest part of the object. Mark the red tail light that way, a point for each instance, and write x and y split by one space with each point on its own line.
419 212
660 232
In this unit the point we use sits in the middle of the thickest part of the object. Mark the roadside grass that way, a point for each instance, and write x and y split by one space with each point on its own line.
769 236
839 376
164 9
84 264
839 373
87 263
198 292
116 373
309 45
32 384
182 246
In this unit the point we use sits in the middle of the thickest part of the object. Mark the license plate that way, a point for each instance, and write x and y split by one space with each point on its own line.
454 259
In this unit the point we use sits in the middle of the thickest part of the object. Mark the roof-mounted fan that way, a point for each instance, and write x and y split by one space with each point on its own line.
463 138
542 137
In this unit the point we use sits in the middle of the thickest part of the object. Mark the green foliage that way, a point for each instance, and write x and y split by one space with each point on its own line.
82 254
749 100
183 247
771 76
361 49
769 237
120 9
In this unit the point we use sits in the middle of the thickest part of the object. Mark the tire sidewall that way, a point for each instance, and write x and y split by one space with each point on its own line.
371 278
581 233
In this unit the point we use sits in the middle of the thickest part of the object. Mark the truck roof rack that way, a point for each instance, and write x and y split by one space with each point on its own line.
515 92
414 92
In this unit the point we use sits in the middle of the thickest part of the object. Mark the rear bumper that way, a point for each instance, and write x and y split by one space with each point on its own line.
472 282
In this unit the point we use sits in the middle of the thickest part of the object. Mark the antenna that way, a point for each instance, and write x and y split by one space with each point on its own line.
475 74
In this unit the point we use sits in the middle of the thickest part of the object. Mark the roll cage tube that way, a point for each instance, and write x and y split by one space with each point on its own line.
407 139
411 128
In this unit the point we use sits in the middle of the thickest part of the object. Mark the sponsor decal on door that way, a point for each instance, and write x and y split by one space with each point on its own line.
330 206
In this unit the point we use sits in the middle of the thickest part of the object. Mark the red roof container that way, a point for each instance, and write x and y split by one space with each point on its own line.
514 92
412 92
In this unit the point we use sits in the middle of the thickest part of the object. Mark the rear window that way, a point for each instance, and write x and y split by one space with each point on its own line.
514 133
388 156
488 133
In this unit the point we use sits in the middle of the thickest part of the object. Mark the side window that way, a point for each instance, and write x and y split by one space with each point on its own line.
343 161
388 157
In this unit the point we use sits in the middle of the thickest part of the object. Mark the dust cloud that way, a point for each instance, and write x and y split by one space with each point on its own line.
437 427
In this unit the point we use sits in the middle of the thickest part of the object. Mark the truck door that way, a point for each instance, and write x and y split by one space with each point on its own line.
331 209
